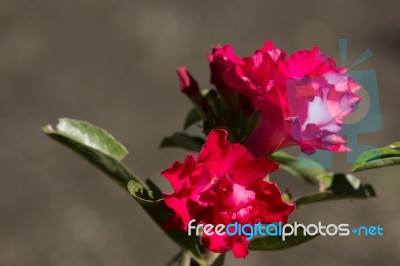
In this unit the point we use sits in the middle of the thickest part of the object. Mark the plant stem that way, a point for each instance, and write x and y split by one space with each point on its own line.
185 259
214 259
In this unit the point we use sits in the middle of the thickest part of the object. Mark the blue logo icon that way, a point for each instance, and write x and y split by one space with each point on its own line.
366 117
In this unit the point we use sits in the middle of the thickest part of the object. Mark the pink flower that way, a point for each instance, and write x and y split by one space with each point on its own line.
187 83
223 185
302 100
222 59
246 75
191 89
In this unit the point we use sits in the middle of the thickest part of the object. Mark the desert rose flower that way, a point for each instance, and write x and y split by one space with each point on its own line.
191 89
303 100
219 64
224 184
246 75
220 107
188 84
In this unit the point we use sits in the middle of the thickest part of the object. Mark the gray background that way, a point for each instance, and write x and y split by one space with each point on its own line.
113 63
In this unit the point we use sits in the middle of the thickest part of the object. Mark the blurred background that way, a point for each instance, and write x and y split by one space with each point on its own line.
112 62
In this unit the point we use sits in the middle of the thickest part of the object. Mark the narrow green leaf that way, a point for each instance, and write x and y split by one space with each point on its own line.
95 145
304 168
184 141
338 186
376 158
160 213
192 118
276 243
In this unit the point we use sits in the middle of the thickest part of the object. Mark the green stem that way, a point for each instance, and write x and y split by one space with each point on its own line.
185 259
211 257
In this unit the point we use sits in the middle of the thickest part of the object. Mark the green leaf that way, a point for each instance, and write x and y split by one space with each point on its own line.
338 186
276 243
395 145
183 140
91 136
155 190
304 168
141 194
286 197
102 150
160 213
192 118
95 145
376 158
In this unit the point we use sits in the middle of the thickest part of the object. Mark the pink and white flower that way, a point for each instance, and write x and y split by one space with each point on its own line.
303 100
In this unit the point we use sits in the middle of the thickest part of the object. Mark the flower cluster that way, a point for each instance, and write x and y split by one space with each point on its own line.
302 99
224 184
266 102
